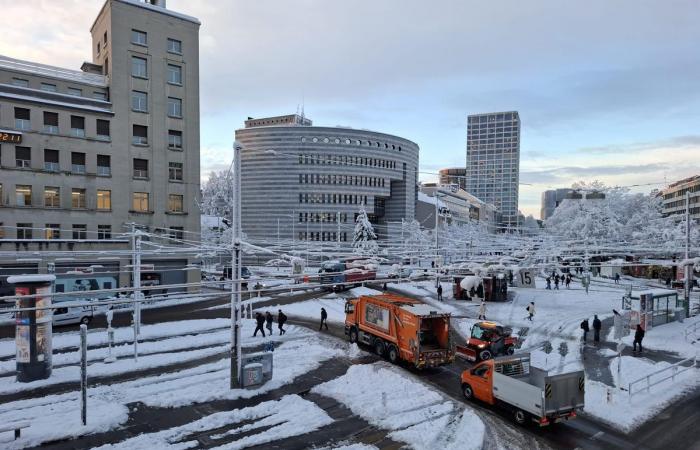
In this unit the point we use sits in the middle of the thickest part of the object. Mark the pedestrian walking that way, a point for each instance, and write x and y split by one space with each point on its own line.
324 318
549 283
439 291
268 322
556 282
281 319
568 280
638 336
384 287
482 310
584 327
596 329
530 311
510 278
617 278
260 321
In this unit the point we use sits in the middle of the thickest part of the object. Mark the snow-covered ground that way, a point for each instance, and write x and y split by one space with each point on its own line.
425 419
671 337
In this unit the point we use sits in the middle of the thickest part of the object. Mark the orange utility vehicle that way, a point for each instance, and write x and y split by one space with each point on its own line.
400 328
488 339
528 392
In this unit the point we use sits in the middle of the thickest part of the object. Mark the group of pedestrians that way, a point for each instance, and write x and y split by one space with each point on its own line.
267 320
564 279
598 325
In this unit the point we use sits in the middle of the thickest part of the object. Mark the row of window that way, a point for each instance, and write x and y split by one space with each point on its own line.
315 178
328 236
53 231
494 118
139 103
347 160
52 199
139 69
682 192
50 87
333 199
139 37
326 217
356 142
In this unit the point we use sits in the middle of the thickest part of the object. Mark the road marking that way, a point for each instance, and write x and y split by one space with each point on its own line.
597 435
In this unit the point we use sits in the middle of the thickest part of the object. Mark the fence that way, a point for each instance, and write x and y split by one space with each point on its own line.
691 331
660 376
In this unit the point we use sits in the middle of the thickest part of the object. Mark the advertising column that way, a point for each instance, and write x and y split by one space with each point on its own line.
33 329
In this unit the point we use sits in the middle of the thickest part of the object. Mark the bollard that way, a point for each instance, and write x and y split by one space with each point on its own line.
83 373
110 337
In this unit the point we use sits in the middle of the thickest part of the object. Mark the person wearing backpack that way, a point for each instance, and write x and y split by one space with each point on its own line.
584 327
281 319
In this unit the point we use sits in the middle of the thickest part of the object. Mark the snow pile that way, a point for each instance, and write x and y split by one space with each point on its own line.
414 413
273 420
362 290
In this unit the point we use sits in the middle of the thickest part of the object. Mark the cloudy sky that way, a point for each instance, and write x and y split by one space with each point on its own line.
606 90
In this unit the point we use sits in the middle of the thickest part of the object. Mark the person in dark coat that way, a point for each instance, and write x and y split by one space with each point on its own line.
260 321
556 282
617 278
268 322
281 319
439 291
549 283
584 327
596 329
324 318
510 278
638 336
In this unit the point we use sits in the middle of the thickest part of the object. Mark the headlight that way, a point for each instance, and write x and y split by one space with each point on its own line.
482 345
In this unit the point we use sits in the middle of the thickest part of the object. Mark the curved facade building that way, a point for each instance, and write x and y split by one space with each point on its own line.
314 180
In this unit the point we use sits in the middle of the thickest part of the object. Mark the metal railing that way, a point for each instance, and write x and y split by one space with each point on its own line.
670 372
691 329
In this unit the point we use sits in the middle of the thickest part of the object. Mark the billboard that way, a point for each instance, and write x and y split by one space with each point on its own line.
377 316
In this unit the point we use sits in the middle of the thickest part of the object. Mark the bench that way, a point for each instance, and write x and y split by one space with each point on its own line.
14 426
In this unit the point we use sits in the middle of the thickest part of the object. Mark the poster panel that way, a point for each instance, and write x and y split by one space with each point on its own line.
377 316
22 334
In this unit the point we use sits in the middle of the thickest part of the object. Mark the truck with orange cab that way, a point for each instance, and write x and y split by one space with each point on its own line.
529 393
400 328
487 340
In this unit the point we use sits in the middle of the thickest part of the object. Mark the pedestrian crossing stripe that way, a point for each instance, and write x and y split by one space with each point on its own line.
581 384
548 390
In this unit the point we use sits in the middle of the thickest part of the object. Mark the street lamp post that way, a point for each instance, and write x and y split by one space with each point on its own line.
236 269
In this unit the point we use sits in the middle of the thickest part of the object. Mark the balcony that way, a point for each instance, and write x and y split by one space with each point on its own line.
77 132
51 129
104 171
51 166
23 124
78 168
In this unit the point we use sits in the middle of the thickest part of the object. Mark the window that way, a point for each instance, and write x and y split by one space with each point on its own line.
52 231
80 231
104 199
24 231
50 122
174 74
139 101
75 92
22 119
20 82
77 126
139 67
174 46
48 87
78 198
23 157
140 135
51 160
174 107
104 232
175 203
175 139
139 37
103 130
140 201
52 197
77 161
140 168
177 233
175 171
23 195
104 166
100 96
104 38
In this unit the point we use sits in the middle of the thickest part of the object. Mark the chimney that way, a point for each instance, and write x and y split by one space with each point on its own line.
159 3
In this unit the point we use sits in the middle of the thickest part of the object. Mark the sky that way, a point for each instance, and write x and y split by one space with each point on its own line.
606 90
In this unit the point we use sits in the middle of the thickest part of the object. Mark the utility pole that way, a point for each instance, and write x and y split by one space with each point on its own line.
337 219
278 233
236 270
307 243
687 270
136 276
437 242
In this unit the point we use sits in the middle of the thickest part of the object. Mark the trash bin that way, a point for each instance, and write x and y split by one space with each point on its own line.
252 375
680 315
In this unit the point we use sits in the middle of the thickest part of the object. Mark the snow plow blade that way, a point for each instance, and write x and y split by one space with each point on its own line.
465 353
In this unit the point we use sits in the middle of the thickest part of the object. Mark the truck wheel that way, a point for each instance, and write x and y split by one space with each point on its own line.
353 335
485 355
467 391
392 354
510 350
85 320
379 347
520 417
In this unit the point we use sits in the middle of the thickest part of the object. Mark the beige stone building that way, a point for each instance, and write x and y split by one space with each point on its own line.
85 153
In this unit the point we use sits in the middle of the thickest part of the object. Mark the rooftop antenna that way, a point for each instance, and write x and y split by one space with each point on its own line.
302 107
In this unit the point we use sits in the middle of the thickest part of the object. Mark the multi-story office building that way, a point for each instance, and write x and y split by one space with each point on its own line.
458 207
314 180
493 161
84 153
454 175
551 199
674 201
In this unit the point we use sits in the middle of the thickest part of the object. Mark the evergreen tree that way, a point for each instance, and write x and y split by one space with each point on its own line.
364 242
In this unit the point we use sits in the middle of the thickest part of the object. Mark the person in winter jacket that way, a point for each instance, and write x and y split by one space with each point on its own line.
281 319
324 318
268 322
568 280
596 329
549 283
482 310
638 336
439 292
530 311
617 278
260 321
556 282
584 327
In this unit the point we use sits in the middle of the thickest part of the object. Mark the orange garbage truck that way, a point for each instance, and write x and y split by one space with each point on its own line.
400 328
529 393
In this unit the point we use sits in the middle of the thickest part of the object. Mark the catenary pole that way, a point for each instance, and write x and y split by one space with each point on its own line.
236 269
687 270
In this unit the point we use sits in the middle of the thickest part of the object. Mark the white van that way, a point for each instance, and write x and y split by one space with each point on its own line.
82 285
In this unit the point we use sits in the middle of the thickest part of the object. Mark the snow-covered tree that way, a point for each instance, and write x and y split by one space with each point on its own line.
364 241
217 193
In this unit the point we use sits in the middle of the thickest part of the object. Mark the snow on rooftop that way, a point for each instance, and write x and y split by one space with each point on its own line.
34 68
56 103
162 10
420 309
655 292
425 198
14 279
